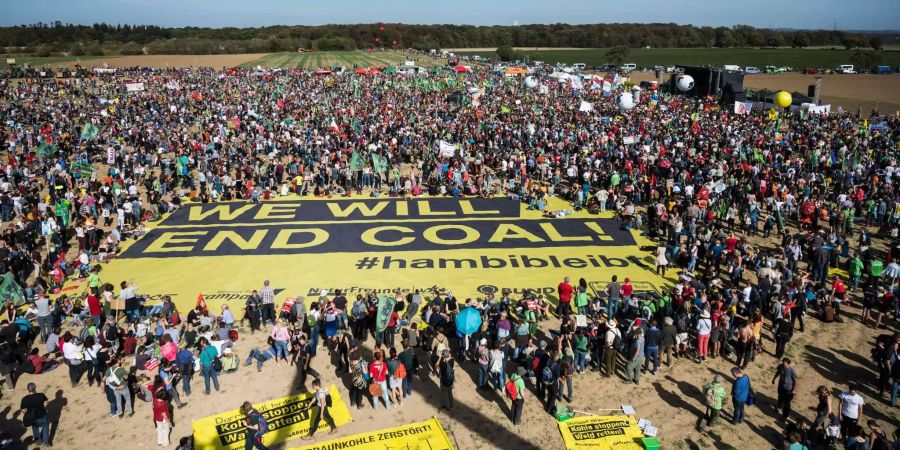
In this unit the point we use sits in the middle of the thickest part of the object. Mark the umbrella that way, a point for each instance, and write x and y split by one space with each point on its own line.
361 71
461 69
468 321
390 70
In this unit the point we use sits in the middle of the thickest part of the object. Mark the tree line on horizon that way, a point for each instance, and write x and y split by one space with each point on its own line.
44 39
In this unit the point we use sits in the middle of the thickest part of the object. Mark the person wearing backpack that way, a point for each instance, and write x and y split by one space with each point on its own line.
208 355
715 395
550 377
613 343
255 426
635 357
116 380
448 378
515 389
322 401
359 380
185 360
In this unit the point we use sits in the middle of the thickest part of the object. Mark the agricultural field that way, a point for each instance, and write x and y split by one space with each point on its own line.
793 57
346 58
36 61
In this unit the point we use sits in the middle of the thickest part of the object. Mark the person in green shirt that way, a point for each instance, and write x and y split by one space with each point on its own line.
580 344
855 270
93 281
715 395
519 402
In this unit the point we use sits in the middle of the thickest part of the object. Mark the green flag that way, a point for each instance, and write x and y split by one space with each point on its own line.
385 308
379 163
356 162
47 150
89 132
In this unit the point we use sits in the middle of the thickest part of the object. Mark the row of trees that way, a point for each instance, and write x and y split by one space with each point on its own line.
59 37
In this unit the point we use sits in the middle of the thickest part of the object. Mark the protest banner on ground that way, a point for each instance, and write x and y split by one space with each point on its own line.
391 246
287 418
428 435
601 433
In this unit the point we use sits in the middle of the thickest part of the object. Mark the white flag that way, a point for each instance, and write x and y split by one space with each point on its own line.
586 106
134 87
447 149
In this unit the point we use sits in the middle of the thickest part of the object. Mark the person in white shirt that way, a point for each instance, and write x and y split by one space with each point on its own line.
851 409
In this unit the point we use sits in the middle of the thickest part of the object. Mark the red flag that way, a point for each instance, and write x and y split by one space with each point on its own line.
201 303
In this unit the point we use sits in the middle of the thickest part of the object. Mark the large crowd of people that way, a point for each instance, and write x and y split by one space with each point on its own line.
751 215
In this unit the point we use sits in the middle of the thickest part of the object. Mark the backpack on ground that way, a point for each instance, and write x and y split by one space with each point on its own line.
233 335
511 390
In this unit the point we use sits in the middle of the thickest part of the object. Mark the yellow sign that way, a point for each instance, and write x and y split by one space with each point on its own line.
471 247
287 418
426 435
602 433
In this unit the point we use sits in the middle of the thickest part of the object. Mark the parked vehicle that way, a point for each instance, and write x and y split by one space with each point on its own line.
882 70
628 67
751 70
845 68
578 67
605 68
670 69
732 67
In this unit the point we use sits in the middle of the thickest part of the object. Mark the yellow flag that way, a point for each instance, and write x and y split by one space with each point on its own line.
773 114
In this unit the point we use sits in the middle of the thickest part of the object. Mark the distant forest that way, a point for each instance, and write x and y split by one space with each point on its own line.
44 39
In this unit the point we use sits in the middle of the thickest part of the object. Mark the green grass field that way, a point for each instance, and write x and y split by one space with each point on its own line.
36 61
348 59
796 58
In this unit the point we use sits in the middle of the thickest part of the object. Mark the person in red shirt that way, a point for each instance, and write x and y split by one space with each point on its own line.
627 292
564 290
161 417
93 303
731 243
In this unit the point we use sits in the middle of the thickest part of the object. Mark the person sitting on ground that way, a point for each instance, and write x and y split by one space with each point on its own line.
230 361
261 356
37 364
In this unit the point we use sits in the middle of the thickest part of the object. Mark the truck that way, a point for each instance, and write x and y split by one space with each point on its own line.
845 68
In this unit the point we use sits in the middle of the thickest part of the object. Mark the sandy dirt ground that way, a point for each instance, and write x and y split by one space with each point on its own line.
849 91
825 354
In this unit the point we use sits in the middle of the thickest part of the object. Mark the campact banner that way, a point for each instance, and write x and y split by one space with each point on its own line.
392 247
602 433
426 435
287 418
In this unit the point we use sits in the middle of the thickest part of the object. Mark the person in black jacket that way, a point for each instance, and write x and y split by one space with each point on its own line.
783 332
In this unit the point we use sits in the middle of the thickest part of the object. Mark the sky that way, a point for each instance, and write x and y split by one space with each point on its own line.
806 14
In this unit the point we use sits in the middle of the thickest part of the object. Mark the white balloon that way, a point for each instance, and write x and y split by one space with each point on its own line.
531 82
625 101
685 83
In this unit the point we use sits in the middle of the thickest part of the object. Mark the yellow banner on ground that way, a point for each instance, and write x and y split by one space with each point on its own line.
287 418
602 433
391 246
428 435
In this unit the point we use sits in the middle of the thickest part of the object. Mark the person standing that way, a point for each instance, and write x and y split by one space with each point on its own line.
704 329
651 349
715 395
255 427
613 291
564 291
667 339
783 332
851 410
35 408
518 403
636 357
252 311
320 401
448 377
378 370
116 379
740 392
611 354
44 319
162 418
787 386
208 355
267 299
